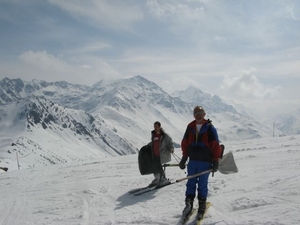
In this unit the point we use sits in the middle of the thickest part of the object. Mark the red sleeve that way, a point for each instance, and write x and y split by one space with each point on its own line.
185 143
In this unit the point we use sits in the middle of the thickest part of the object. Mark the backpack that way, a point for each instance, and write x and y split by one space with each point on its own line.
145 160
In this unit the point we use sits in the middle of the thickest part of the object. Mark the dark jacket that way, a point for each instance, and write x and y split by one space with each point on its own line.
202 146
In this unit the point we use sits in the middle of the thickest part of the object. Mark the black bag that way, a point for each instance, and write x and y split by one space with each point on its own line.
145 160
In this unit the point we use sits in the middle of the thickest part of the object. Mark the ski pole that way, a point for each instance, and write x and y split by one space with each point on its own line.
165 165
195 175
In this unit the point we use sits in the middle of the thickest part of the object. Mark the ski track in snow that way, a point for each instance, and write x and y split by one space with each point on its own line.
264 191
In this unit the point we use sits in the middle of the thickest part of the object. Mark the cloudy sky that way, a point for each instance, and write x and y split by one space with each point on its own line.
246 51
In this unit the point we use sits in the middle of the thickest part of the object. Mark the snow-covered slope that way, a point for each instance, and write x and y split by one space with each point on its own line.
107 119
264 191
42 132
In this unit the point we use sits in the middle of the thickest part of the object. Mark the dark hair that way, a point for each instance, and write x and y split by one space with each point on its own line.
157 123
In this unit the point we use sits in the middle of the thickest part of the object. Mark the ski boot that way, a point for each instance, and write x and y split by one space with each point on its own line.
188 208
201 208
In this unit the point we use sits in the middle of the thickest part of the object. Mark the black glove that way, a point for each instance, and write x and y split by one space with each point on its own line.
182 163
214 166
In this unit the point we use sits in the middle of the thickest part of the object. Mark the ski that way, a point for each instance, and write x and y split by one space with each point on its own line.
199 220
137 189
148 189
183 220
144 190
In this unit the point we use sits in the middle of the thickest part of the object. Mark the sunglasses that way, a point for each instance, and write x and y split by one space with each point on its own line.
198 113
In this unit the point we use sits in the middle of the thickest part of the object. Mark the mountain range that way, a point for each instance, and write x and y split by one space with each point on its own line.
40 120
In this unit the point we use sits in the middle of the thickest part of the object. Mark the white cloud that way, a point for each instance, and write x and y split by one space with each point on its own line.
175 43
90 48
247 86
220 39
290 10
44 61
42 65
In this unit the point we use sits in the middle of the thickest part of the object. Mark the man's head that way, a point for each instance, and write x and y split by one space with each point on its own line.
199 113
157 126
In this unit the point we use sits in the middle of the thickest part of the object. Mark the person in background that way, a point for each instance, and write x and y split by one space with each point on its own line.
201 145
161 146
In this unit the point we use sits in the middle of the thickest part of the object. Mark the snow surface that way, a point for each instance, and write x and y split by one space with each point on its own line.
264 191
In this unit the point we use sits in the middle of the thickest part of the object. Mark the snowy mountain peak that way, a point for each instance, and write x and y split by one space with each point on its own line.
109 118
210 103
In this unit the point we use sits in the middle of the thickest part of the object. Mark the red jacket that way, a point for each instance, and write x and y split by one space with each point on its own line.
203 145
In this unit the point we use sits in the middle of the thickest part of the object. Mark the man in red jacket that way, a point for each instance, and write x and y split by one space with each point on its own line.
201 145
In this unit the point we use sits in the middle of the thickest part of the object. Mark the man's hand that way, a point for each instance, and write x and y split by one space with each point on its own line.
215 166
182 163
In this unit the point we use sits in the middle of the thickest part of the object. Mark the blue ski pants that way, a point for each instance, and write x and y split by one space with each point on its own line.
194 167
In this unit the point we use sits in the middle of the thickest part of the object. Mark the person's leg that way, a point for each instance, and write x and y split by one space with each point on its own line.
191 183
157 167
202 188
203 179
190 188
157 171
